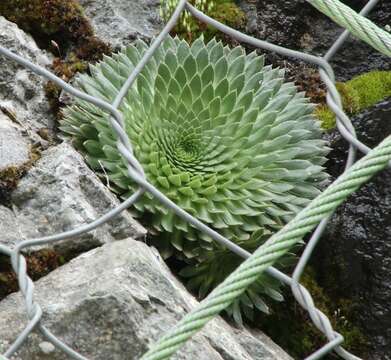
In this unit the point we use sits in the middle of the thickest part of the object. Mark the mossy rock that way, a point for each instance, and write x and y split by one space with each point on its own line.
326 116
358 94
370 88
63 19
39 264
58 25
224 11
229 14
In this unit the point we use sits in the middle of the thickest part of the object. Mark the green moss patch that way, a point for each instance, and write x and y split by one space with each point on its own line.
46 20
229 14
357 95
224 11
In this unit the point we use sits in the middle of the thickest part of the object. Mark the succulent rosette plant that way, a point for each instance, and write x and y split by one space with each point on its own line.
216 131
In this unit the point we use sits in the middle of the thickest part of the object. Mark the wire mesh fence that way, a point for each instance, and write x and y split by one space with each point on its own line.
316 214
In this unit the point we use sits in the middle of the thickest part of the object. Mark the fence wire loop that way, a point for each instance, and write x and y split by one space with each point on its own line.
316 214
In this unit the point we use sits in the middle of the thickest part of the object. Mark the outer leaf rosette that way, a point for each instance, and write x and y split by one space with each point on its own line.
218 264
217 131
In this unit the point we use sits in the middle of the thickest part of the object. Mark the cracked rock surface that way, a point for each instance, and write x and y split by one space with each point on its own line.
14 147
113 302
22 92
60 193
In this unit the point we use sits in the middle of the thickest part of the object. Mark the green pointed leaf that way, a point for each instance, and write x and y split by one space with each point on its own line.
175 180
163 182
93 147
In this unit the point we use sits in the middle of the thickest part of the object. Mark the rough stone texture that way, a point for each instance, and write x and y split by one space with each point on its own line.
356 56
8 227
61 193
297 25
22 92
354 256
14 148
114 302
119 22
279 22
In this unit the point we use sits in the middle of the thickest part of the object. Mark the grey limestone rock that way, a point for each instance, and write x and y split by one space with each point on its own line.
119 22
14 147
9 233
21 91
114 302
60 193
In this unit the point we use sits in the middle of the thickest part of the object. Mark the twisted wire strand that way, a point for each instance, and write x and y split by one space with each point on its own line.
357 24
277 245
136 172
369 6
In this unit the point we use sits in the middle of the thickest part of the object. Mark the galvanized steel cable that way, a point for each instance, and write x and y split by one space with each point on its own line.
358 25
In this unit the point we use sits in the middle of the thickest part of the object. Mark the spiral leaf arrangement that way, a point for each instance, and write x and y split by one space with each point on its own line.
220 134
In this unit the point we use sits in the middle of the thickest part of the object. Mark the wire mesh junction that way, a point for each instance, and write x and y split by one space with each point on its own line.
317 212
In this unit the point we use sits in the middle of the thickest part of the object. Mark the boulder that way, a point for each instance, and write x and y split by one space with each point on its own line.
114 302
22 95
119 22
353 258
60 193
